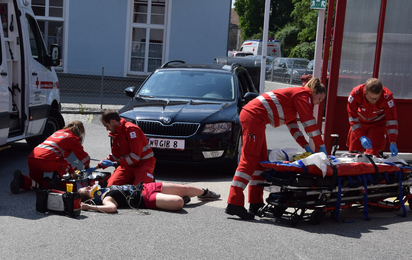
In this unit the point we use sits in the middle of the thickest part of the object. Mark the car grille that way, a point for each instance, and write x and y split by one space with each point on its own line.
172 130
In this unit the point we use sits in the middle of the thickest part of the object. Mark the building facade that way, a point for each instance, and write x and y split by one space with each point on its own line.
133 37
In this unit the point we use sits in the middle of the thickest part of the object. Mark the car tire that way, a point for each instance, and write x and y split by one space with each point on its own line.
55 121
286 78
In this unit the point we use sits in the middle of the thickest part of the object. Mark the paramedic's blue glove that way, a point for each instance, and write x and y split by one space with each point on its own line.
366 143
323 150
394 149
106 163
89 170
308 149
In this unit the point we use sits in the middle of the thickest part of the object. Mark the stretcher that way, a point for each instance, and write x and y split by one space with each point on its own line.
305 192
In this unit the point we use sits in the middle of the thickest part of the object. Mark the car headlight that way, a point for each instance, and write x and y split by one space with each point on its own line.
295 72
217 128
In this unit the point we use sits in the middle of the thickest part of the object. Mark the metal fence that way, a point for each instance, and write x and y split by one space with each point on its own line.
96 87
94 91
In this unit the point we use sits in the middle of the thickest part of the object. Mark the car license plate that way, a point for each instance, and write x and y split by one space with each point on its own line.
167 143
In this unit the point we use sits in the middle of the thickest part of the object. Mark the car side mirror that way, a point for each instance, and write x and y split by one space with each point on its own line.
130 91
249 96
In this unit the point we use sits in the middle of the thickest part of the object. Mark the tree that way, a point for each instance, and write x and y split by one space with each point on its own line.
251 15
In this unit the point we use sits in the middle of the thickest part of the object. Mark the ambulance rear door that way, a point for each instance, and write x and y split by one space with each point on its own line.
40 76
5 93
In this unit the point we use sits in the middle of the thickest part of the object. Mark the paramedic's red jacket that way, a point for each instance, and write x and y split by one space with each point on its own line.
130 146
362 112
280 106
59 146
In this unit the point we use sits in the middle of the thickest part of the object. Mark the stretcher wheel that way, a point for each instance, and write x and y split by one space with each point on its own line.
260 213
278 211
406 191
294 220
317 216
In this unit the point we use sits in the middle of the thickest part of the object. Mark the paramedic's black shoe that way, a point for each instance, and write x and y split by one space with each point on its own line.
254 207
239 211
209 195
55 182
17 182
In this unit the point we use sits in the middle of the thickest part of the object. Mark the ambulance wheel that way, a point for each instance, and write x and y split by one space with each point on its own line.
317 216
55 121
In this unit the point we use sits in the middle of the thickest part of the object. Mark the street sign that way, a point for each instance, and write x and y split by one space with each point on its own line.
317 4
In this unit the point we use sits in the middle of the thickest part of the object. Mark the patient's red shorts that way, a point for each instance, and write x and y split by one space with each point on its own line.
149 193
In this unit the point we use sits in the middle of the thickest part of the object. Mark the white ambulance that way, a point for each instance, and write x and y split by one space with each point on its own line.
255 46
29 89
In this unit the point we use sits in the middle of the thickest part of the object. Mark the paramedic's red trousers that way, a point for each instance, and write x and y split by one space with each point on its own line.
375 132
254 150
37 168
132 175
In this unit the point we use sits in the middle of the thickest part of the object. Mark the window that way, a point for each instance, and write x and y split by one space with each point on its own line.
148 30
50 17
38 50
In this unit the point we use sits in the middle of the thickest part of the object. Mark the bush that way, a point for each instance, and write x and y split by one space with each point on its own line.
304 50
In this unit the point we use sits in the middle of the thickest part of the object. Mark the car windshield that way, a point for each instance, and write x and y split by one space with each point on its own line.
298 64
189 84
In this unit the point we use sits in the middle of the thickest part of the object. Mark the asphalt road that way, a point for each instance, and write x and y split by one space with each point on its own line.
200 231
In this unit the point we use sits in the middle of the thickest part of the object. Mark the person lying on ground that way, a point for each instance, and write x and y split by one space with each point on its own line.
154 195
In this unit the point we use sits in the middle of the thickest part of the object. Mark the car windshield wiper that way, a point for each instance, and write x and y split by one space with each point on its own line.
145 96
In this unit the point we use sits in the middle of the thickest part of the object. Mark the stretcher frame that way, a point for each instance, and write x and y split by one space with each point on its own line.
333 193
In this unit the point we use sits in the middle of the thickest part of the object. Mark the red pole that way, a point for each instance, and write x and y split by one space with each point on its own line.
334 71
379 39
326 46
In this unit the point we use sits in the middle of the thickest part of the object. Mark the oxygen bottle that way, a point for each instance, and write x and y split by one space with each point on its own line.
95 188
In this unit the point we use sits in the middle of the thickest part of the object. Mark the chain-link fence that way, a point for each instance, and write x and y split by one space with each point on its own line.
79 90
94 91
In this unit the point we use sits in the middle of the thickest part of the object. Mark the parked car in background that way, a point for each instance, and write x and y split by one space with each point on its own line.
238 54
283 69
190 112
269 60
311 64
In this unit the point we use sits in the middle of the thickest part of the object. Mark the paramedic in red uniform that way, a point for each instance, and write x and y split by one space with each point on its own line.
372 118
50 156
131 152
277 107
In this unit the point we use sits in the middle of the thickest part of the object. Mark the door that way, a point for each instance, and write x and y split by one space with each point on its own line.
5 93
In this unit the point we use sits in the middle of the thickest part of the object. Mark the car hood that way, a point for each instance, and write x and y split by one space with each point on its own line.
178 110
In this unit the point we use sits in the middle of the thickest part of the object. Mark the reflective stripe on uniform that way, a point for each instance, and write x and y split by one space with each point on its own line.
238 184
313 133
356 126
309 123
391 122
392 131
148 156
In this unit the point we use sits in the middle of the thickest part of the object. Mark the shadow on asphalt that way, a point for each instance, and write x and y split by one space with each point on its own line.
178 173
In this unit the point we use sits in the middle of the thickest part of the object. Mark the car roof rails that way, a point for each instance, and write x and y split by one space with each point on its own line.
172 61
